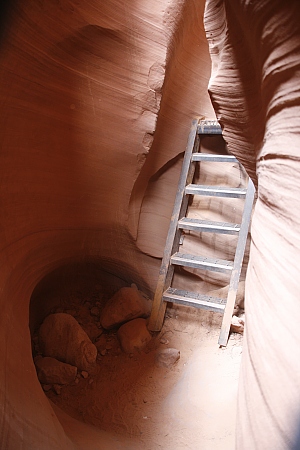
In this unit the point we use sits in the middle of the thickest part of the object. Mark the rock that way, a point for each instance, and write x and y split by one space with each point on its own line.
167 357
127 304
62 337
57 388
84 374
134 335
52 371
47 387
237 325
95 311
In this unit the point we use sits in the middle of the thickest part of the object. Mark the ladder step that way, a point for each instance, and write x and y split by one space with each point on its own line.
201 301
215 191
201 262
213 158
208 226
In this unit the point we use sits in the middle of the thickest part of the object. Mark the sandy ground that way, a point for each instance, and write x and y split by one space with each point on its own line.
191 405
137 405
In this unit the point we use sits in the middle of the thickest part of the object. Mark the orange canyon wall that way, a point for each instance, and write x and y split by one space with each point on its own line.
255 49
96 98
84 125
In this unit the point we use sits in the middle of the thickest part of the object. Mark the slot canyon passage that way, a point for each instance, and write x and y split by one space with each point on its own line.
97 99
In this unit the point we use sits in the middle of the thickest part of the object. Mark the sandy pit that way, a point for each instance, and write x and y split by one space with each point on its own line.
136 403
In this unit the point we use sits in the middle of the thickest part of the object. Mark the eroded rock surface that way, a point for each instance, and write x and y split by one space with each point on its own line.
255 50
61 337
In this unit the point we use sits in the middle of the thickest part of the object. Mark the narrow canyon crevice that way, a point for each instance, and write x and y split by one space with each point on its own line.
97 101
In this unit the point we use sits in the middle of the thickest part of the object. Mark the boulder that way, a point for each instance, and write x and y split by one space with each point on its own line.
167 357
127 304
51 371
61 337
134 335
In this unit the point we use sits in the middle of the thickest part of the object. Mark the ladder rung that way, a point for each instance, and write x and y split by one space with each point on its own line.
208 226
213 158
215 191
186 298
202 262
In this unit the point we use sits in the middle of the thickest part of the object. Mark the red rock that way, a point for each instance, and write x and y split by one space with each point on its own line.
61 337
51 371
134 335
127 304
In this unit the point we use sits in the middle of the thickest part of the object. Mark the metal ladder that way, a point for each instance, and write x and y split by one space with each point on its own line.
164 292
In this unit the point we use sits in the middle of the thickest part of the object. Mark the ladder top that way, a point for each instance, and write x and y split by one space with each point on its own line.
209 127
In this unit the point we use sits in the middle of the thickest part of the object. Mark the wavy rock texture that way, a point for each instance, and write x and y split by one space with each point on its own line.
96 104
81 97
255 49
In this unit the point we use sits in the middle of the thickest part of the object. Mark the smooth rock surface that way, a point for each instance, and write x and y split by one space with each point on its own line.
52 371
61 337
254 87
134 335
127 304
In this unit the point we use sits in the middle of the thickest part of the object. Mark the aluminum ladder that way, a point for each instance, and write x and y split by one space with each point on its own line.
164 292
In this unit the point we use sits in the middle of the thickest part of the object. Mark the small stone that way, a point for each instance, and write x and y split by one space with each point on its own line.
164 341
95 311
47 387
91 381
167 357
237 325
57 388
84 374
103 352
76 381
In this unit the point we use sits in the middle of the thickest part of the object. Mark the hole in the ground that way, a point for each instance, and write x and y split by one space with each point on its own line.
120 380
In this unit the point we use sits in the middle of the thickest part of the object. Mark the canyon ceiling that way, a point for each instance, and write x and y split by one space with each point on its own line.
97 98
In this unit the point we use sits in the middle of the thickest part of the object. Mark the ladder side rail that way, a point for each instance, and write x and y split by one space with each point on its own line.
180 206
237 264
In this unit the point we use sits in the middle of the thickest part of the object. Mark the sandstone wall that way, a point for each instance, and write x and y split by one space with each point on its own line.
81 103
255 49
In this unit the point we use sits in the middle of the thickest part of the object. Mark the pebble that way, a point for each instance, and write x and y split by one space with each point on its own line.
47 387
84 374
95 311
57 388
164 341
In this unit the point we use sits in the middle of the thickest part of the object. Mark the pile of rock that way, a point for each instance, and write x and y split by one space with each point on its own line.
127 311
68 349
